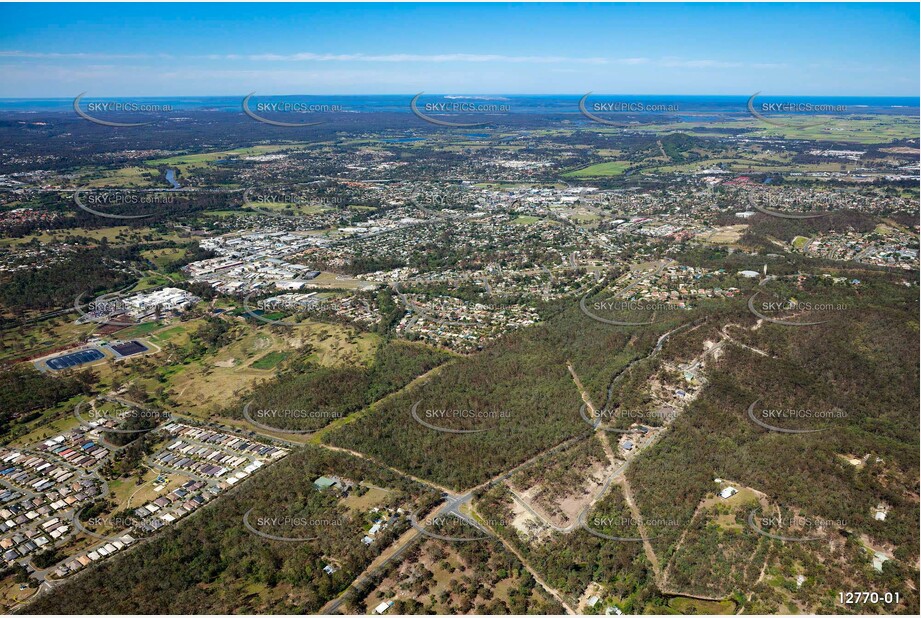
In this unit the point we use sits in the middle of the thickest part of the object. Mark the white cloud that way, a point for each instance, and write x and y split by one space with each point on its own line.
14 53
673 62
400 58
669 61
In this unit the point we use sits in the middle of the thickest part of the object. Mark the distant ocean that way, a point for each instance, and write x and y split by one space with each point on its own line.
546 104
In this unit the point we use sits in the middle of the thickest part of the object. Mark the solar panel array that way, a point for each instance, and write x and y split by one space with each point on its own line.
129 348
75 358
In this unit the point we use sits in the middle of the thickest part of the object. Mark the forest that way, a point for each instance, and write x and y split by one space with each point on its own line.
24 391
327 393
210 563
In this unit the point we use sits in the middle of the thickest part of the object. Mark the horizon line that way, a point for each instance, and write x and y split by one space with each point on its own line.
461 94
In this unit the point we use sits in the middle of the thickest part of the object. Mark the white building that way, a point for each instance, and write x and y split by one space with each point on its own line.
141 306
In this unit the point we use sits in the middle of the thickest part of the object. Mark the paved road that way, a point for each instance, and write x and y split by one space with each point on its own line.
406 540
454 502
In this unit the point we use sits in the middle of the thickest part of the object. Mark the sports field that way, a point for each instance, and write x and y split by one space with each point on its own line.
609 168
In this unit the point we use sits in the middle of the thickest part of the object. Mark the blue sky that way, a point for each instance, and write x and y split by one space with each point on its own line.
60 50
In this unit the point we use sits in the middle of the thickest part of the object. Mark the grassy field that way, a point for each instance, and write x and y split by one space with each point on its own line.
116 236
684 605
152 281
745 164
140 330
127 493
45 429
583 218
300 209
163 257
186 162
270 360
172 334
135 176
10 592
219 378
333 281
42 337
723 235
863 129
375 496
609 168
